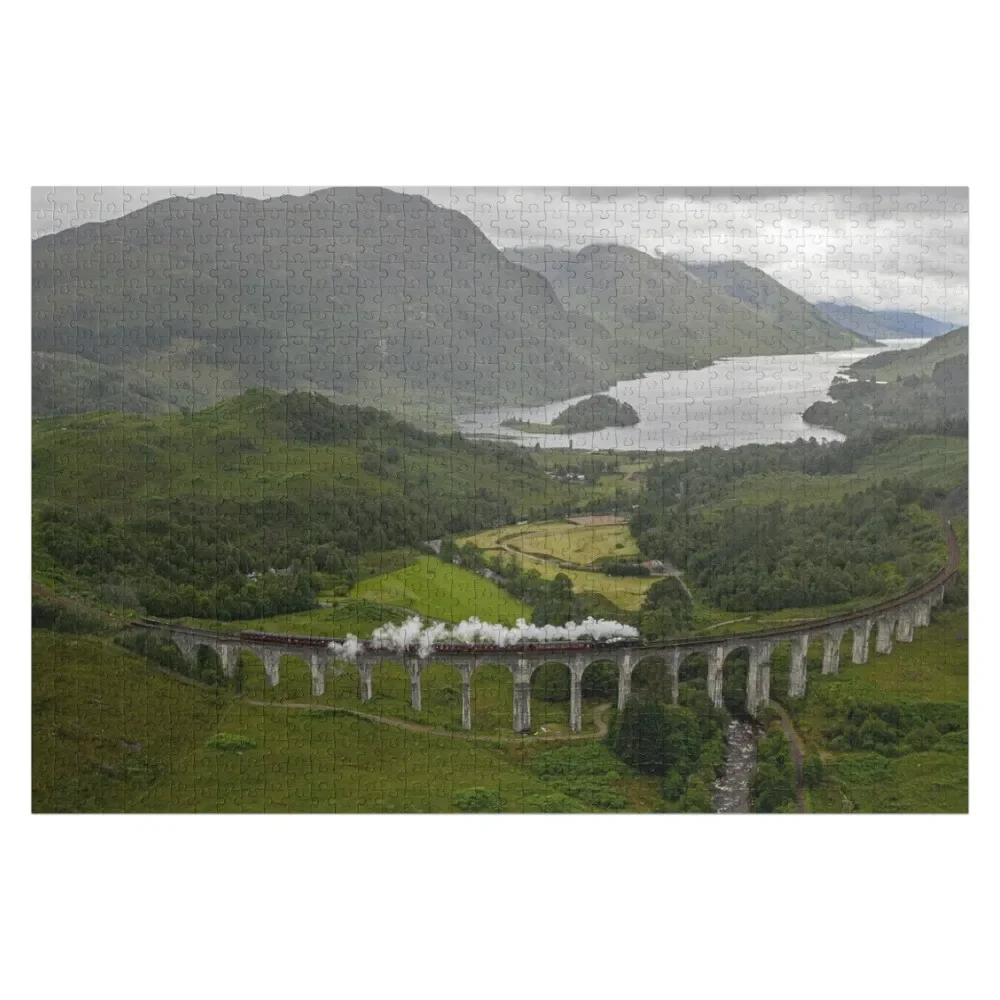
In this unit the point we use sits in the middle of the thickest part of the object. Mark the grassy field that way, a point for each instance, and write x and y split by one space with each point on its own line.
346 616
112 734
425 586
580 544
923 676
105 725
436 589
541 547
708 619
441 696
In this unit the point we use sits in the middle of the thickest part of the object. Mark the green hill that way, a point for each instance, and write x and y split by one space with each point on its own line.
362 292
891 365
591 414
173 512
595 413
925 387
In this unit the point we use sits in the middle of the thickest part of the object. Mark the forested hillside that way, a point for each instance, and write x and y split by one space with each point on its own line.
175 512
923 387
805 524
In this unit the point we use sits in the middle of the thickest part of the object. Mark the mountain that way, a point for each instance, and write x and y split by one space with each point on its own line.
659 314
367 294
787 310
875 323
926 387
922 361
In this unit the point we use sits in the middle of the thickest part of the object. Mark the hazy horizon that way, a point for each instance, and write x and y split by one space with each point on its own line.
876 248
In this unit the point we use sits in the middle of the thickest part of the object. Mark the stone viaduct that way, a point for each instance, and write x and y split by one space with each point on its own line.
897 619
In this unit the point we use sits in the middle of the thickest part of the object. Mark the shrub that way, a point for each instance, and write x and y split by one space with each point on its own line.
772 788
773 782
713 756
206 667
551 682
698 797
673 785
554 802
231 742
478 800
588 773
59 617
956 742
812 771
600 681
653 737
922 737
155 647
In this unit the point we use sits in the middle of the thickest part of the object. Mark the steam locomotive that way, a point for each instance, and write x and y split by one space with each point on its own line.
308 641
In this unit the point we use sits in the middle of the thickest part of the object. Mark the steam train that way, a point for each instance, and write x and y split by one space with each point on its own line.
321 642
315 642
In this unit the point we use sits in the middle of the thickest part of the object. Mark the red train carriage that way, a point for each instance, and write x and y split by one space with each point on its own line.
532 647
308 641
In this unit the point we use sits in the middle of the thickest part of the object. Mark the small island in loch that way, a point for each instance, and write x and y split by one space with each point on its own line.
591 414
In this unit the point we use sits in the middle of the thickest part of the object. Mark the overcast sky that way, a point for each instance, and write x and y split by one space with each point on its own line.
880 248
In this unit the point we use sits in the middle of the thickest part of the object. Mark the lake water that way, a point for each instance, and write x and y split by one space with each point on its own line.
736 401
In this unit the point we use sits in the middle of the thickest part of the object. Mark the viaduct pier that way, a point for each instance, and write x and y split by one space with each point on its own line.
894 620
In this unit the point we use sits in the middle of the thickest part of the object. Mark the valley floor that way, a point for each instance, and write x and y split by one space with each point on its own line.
113 734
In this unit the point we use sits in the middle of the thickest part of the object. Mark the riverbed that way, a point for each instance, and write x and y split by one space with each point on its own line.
732 790
735 401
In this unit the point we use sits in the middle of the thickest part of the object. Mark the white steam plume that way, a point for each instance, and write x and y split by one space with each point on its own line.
415 637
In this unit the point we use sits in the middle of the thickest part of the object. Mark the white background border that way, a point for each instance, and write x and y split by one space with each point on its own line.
512 93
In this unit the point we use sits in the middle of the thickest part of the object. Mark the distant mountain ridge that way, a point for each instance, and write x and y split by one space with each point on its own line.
375 297
789 311
875 323
666 314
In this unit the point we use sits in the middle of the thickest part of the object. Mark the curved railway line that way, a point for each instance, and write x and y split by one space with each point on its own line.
900 615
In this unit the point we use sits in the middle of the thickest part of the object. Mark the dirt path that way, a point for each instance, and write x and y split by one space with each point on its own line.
600 719
600 716
798 757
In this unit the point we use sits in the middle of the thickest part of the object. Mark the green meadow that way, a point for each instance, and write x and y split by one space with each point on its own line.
111 733
436 589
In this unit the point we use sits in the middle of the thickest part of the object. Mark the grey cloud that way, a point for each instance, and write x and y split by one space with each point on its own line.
861 245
